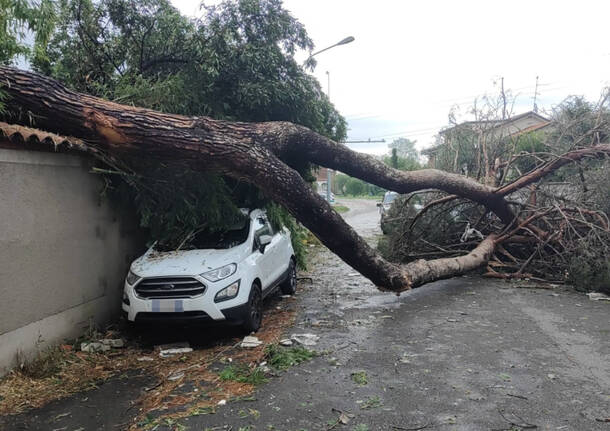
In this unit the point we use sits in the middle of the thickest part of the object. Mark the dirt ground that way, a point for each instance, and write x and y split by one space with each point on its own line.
460 354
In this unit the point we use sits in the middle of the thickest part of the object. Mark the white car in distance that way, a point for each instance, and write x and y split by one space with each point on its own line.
223 277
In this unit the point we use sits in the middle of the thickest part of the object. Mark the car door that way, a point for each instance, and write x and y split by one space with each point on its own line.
273 253
264 260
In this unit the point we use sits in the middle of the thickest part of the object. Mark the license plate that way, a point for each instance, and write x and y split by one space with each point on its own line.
167 306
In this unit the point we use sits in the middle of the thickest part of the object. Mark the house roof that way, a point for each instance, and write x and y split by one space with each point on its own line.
499 123
20 137
494 124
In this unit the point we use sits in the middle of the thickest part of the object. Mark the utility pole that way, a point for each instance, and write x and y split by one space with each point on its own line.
328 172
536 96
503 101
345 41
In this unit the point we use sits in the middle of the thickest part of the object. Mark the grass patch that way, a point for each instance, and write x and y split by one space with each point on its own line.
198 411
371 403
243 374
360 378
283 358
340 208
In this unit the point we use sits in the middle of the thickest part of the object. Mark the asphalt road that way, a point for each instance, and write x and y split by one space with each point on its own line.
460 354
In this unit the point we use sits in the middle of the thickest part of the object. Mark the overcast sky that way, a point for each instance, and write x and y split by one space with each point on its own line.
413 60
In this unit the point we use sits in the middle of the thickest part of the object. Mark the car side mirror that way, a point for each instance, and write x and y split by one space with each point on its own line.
264 241
379 204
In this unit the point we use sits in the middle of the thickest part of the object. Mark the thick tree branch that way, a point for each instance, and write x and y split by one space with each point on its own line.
262 154
549 167
425 271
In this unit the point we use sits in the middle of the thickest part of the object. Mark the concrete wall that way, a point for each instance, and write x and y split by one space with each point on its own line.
64 251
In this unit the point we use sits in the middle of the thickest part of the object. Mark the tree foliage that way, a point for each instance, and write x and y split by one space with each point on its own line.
570 203
235 63
20 19
405 148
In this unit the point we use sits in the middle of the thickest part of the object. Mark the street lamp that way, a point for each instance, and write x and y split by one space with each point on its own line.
345 41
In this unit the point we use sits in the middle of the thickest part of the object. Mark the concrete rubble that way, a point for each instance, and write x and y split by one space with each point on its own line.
167 350
103 345
250 342
94 347
598 296
305 339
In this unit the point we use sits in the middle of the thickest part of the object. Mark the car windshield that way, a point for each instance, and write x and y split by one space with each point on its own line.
389 198
221 239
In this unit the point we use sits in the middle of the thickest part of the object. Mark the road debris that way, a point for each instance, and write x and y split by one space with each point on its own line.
171 349
415 428
250 342
94 347
116 343
344 417
286 342
406 358
176 376
598 296
171 352
522 424
305 339
145 359
176 345
222 402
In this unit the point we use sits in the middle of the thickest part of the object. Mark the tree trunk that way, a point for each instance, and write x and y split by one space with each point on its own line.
261 153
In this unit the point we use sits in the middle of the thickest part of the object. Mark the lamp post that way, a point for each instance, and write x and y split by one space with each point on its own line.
345 41
328 172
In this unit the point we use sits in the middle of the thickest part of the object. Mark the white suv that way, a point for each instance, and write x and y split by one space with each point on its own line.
224 277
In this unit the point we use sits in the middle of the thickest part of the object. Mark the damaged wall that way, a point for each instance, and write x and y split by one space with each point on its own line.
64 251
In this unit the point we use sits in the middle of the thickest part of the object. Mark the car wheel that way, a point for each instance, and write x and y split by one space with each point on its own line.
254 317
289 286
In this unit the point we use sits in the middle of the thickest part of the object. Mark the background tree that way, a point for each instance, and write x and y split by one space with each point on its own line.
405 148
235 63
20 19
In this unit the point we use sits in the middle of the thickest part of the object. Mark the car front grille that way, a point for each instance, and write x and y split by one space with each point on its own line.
185 316
169 287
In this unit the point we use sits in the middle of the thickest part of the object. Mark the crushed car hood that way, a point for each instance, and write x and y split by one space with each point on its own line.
185 262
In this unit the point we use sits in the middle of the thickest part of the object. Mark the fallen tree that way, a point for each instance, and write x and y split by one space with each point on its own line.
559 193
264 154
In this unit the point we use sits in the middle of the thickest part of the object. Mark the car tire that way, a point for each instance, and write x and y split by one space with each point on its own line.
289 286
254 317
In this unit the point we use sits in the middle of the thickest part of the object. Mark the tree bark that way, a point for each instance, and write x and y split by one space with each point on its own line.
261 153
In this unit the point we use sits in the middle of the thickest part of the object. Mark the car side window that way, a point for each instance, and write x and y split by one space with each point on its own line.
262 227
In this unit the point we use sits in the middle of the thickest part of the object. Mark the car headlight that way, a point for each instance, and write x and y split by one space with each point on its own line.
132 278
228 292
220 273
